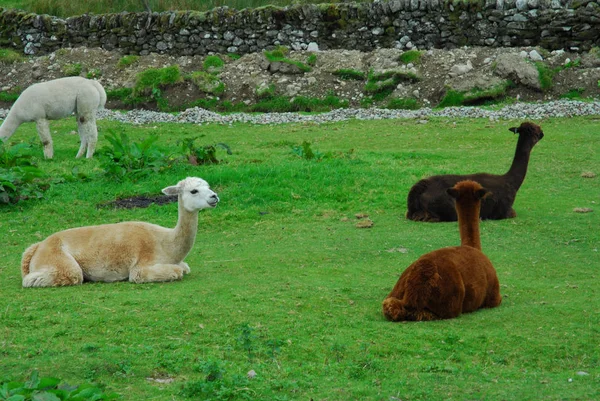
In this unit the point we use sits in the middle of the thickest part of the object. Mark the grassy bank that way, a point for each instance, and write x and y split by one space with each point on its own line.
71 8
283 282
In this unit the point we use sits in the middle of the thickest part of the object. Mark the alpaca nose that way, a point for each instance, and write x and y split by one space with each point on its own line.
214 198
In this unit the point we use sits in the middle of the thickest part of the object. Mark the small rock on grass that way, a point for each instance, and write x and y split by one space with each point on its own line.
365 223
583 210
588 174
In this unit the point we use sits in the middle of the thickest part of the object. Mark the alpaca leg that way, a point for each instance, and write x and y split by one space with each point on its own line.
185 267
155 273
43 129
52 267
396 310
88 133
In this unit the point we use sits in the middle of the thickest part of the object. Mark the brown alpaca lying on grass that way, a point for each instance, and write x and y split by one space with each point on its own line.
447 282
429 201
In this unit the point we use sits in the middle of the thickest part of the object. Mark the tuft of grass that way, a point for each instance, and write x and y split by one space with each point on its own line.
155 78
9 97
410 56
207 82
265 91
72 70
381 85
452 98
10 56
213 64
349 74
476 96
128 60
312 60
573 94
403 104
279 55
282 104
94 73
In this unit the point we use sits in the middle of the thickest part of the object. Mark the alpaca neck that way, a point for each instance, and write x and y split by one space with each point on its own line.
468 225
518 168
9 126
184 233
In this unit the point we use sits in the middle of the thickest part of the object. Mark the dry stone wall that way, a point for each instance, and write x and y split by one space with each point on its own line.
404 24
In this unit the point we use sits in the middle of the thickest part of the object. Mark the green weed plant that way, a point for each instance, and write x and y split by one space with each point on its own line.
202 154
20 178
126 159
51 389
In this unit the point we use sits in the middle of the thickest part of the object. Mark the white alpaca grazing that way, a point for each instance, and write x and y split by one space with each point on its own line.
135 251
53 100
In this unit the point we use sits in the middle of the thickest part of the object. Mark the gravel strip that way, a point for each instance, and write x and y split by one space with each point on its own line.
196 115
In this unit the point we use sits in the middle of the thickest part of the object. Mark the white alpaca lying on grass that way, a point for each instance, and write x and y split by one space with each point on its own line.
135 251
53 100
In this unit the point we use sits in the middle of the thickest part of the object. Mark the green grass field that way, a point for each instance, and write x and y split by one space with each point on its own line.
285 284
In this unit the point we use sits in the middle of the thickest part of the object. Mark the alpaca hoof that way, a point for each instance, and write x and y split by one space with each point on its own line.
393 309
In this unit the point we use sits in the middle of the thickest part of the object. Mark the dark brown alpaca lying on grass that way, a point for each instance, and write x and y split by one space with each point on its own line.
428 200
445 283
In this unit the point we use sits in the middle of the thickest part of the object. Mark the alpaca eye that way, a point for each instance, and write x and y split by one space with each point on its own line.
194 191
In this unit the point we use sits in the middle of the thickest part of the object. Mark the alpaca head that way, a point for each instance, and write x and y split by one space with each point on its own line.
529 131
194 194
468 192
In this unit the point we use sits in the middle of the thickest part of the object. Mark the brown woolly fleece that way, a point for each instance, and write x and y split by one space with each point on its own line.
447 282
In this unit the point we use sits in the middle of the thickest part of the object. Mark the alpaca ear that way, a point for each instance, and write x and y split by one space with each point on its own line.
514 130
482 193
172 190
452 192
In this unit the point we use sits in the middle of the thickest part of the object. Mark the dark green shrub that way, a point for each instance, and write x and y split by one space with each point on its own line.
126 159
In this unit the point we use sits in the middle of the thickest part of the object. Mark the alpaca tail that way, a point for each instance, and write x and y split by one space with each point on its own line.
26 260
101 93
416 210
